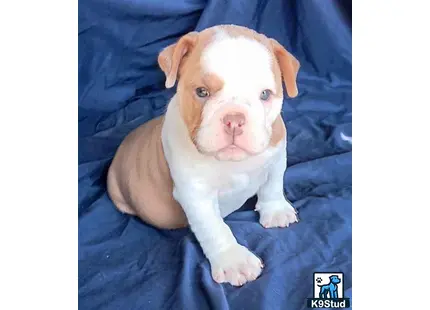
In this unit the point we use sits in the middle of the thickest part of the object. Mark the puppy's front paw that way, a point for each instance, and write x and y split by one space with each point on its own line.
237 265
277 214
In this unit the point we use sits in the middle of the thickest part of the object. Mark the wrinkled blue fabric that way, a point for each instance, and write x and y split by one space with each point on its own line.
126 264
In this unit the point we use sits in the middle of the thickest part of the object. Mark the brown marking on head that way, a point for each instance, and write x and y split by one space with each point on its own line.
170 58
278 131
191 106
182 61
289 67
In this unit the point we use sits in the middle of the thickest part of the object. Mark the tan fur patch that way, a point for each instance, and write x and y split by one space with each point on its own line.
170 58
289 66
191 76
191 107
278 131
139 180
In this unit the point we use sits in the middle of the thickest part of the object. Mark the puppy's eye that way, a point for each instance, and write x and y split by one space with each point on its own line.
265 95
202 92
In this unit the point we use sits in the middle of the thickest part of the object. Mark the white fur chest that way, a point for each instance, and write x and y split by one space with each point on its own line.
237 182
238 188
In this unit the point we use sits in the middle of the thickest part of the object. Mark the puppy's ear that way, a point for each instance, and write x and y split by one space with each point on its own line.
289 67
170 58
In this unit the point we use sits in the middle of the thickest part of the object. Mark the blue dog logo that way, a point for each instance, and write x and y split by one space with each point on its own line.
329 288
328 291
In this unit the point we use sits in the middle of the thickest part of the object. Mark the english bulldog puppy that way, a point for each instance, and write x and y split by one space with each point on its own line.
221 141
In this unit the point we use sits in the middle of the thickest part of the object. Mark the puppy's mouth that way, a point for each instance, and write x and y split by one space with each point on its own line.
233 150
229 147
232 147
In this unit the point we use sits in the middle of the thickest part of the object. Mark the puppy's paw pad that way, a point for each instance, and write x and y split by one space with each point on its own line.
237 266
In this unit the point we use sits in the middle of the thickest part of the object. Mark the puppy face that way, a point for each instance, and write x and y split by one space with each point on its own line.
230 89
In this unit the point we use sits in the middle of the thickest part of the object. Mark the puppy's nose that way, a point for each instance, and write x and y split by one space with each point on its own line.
233 123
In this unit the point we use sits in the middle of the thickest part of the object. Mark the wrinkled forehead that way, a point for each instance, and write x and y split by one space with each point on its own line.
243 63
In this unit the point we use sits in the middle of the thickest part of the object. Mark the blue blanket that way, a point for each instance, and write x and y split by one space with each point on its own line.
126 264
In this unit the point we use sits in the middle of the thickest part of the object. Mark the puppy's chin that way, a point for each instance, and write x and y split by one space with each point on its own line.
231 153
